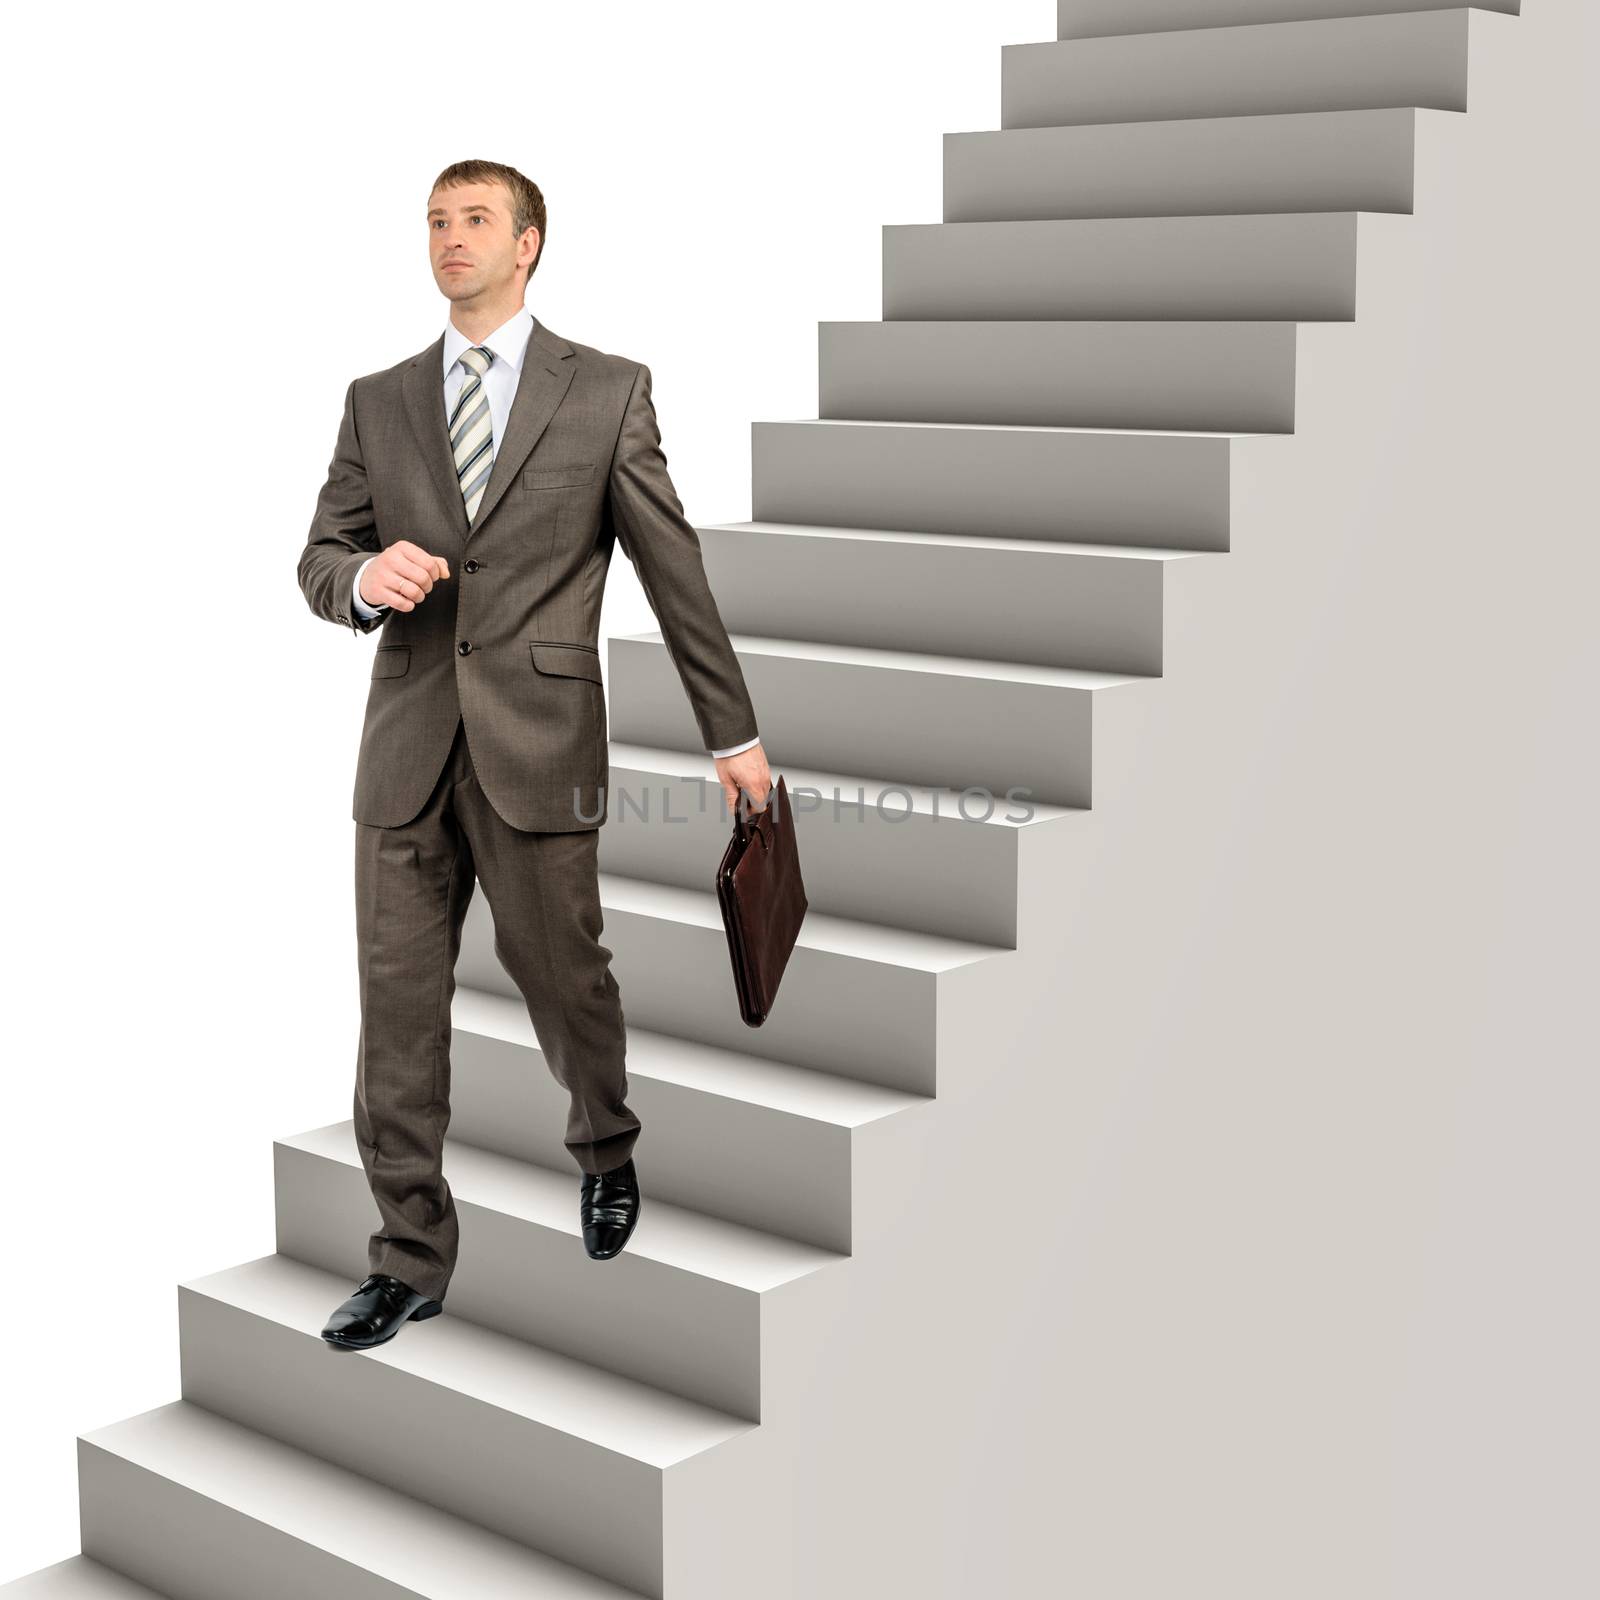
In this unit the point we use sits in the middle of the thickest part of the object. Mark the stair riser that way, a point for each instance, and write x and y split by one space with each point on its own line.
1088 19
869 1020
662 1325
1159 491
880 864
504 1098
592 1507
920 727
1331 161
1223 376
1346 64
190 1548
1049 607
1294 267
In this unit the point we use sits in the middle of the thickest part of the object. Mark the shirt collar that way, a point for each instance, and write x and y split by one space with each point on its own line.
509 341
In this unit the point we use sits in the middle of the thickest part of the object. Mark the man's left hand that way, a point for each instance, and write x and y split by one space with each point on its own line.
746 771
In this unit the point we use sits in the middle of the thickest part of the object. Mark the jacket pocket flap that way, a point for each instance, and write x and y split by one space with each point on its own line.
567 660
558 476
391 661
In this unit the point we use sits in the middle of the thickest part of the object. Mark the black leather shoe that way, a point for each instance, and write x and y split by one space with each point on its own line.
373 1315
608 1208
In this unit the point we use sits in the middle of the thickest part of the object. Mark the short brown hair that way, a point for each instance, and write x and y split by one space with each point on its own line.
527 204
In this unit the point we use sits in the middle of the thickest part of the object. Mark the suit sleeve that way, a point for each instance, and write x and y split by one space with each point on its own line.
665 551
343 534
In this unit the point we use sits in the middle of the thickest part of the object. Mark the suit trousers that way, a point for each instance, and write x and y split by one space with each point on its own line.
413 885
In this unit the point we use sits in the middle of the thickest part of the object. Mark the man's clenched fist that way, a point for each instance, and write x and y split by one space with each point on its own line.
401 576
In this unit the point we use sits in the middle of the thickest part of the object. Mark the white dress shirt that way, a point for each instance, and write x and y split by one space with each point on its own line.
509 342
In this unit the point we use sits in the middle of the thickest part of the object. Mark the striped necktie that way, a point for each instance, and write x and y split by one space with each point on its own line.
471 430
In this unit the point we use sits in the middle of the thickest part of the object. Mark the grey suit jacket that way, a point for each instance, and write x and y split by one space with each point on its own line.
510 642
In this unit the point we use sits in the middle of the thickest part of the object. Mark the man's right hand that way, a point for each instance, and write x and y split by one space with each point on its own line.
402 576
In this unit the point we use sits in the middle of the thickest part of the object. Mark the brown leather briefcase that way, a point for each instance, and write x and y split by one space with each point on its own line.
763 901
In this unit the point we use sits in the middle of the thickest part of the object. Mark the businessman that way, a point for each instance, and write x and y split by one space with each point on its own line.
474 496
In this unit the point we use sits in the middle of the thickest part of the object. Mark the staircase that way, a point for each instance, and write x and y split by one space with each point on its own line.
1162 490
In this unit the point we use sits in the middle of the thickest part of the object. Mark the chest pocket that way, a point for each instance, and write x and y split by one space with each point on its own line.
568 476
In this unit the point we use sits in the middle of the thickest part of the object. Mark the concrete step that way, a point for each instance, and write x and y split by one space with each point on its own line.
1294 265
1414 58
1167 490
680 1309
1232 376
1019 731
1300 161
900 855
1052 602
549 1451
762 1143
76 1578
1093 19
859 999
199 1508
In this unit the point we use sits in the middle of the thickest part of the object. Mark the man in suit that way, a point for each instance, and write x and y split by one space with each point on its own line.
473 499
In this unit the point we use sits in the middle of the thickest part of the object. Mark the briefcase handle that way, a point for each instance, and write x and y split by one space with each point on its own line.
759 823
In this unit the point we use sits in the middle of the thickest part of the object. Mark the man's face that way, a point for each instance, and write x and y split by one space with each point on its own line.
471 247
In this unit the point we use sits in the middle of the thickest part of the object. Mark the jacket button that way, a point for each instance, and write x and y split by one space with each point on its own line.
469 565
464 648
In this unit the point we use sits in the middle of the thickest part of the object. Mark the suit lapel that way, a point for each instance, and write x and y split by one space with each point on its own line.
423 386
547 372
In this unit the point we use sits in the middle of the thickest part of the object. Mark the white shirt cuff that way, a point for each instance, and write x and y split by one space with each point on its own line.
363 610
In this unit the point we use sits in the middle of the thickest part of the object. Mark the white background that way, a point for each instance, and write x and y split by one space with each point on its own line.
217 222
